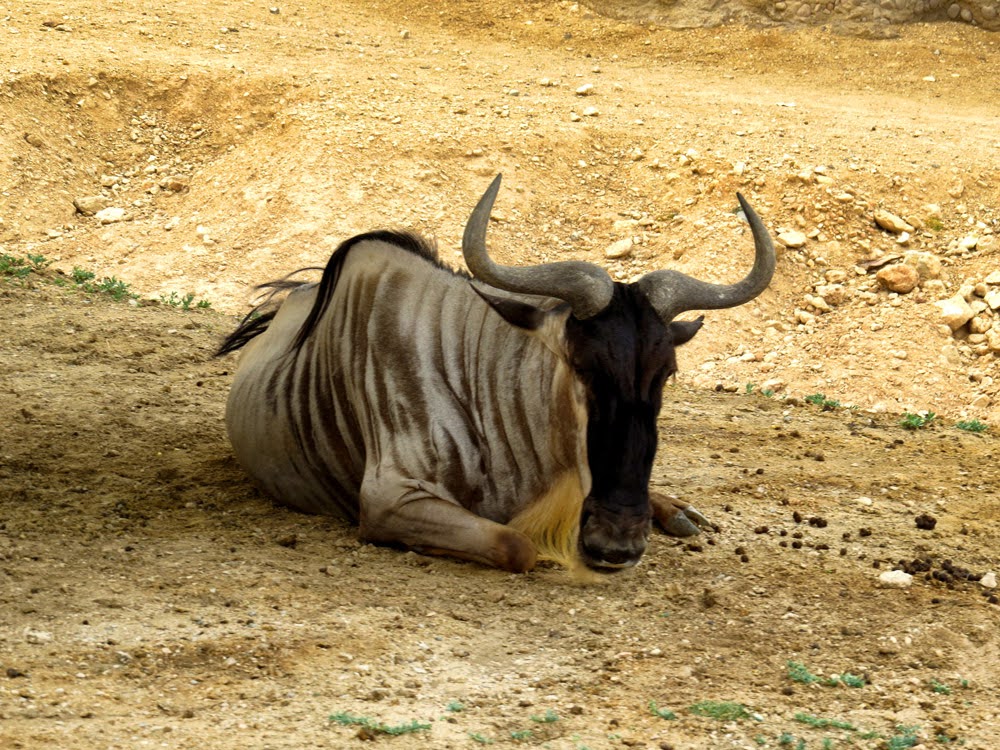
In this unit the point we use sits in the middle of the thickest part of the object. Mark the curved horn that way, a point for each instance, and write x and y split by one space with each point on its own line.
672 292
586 287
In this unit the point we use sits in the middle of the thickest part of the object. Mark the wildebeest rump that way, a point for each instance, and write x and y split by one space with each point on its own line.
496 417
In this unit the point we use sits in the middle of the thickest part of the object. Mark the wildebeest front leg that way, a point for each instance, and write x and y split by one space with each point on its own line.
409 513
675 517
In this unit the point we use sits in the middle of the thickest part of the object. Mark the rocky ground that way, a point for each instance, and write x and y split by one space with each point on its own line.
181 153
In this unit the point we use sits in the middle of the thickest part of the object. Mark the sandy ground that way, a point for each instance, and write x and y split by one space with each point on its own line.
150 597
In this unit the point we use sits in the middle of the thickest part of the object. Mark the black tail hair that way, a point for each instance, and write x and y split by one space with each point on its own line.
258 319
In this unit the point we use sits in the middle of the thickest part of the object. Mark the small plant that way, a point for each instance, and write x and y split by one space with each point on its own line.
522 734
819 722
800 673
16 267
663 713
81 277
824 403
185 302
917 421
115 288
480 738
549 717
934 223
940 688
972 425
455 706
905 737
377 727
750 387
721 710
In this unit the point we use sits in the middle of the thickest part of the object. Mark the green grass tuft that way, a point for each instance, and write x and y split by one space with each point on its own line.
917 421
377 727
663 713
721 710
972 425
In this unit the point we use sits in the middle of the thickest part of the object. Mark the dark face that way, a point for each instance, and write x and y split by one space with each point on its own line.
623 356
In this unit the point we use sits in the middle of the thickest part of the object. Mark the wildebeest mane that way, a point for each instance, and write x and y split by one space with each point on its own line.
260 317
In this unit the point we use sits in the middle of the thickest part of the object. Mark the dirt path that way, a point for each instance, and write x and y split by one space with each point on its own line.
150 597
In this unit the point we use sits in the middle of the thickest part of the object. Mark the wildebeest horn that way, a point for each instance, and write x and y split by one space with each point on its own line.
671 292
586 287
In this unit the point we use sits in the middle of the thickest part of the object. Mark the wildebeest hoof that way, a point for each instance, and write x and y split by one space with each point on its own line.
677 518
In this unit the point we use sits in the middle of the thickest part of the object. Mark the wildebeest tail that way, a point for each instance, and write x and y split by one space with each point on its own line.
260 317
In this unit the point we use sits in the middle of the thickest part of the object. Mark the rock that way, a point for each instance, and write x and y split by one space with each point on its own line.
992 298
928 265
34 139
980 324
590 112
619 249
832 294
176 183
585 90
91 204
989 581
805 318
792 239
37 637
993 278
835 276
968 243
955 312
895 579
891 222
110 215
993 340
900 278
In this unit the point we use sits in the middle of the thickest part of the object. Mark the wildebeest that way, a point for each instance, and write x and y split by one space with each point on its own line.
496 417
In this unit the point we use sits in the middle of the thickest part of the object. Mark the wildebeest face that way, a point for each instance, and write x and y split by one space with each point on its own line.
623 356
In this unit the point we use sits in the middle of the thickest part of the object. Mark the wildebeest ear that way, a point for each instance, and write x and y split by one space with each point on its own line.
515 312
684 330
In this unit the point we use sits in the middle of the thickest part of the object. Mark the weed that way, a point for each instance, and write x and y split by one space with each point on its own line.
38 262
818 722
820 400
663 713
185 302
851 680
480 738
917 421
800 673
940 687
522 734
16 267
549 717
377 727
721 710
115 288
750 387
934 223
905 737
455 706
81 276
972 425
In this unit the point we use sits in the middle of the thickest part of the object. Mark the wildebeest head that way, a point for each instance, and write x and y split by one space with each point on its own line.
620 340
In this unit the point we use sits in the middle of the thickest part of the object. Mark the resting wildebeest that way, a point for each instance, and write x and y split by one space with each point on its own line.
497 418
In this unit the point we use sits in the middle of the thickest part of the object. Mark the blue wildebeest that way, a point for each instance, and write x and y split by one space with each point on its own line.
497 418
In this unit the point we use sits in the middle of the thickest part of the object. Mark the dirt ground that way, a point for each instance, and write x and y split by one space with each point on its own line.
151 597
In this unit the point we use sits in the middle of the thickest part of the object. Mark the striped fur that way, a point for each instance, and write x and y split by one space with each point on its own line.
392 395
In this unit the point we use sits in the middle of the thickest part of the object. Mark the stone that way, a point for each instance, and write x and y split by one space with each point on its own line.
619 249
890 222
993 278
110 215
968 243
585 90
927 265
792 239
989 581
832 294
992 298
176 183
980 324
900 278
993 340
37 637
955 312
896 579
90 204
835 276
590 112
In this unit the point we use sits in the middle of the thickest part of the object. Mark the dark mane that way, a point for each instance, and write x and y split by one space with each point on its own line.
260 317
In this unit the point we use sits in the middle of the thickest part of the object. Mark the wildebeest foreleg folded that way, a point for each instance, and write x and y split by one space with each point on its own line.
409 513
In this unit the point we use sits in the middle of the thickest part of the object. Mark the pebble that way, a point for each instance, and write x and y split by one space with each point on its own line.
989 580
585 90
900 278
968 243
110 215
619 249
895 579
891 223
590 112
90 204
955 312
792 239
37 637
